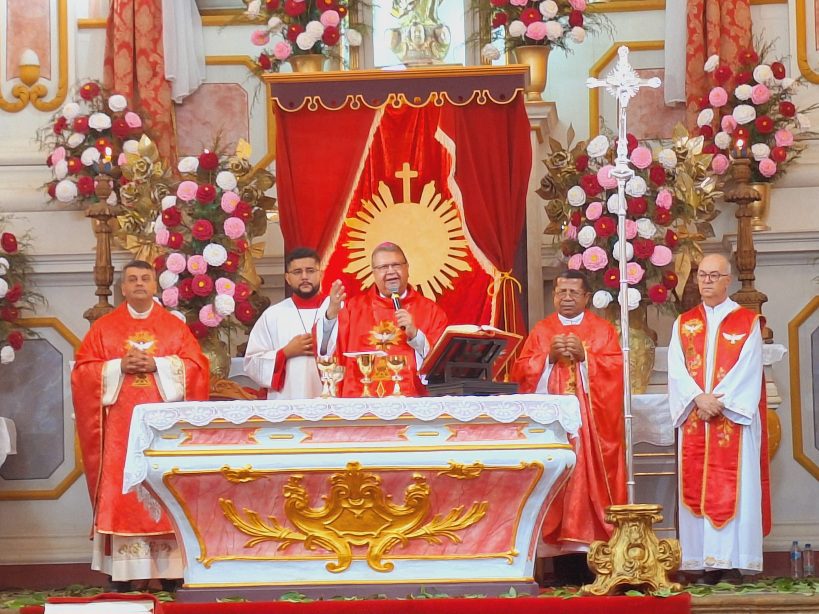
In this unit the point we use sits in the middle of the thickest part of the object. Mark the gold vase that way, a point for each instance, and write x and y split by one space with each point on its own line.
310 62
217 354
642 346
760 208
536 57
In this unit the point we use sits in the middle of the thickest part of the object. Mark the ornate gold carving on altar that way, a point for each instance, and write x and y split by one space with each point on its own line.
459 471
633 557
241 476
356 512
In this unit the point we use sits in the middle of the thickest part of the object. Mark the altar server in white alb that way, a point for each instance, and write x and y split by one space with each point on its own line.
716 391
280 353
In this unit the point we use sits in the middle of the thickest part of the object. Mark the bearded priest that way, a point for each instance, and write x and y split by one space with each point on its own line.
391 318
576 352
138 353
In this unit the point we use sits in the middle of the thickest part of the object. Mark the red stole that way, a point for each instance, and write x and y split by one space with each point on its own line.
711 450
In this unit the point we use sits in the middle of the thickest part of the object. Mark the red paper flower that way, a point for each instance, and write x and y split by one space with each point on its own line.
590 185
199 330
74 165
272 5
670 279
89 91
175 240
159 263
499 19
201 285
327 5
80 124
202 230
232 263
15 340
242 292
636 205
643 248
706 131
264 61
85 185
722 74
186 289
779 154
743 77
748 57
208 161
576 19
530 15
657 174
582 163
658 293
575 219
703 103
171 217
662 216
60 124
787 108
120 128
330 36
611 277
763 124
293 31
9 314
671 238
710 149
243 211
605 226
294 9
205 193
778 70
52 189
8 242
244 312
14 293
242 245
742 133
631 142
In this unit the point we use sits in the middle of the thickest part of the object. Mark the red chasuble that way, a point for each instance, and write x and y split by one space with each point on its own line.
599 477
103 431
367 323
711 449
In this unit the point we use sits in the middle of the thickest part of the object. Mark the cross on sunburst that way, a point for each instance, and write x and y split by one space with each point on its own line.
429 231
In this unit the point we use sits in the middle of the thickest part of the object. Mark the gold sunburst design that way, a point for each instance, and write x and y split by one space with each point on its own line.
142 340
356 512
429 231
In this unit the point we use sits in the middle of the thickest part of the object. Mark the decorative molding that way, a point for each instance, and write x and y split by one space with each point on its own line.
802 42
778 248
797 435
599 66
783 534
37 549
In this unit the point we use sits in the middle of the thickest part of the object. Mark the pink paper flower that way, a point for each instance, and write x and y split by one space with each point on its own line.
767 167
197 265
536 30
162 236
187 190
661 256
518 2
260 37
575 262
282 50
634 273
728 123
664 198
58 155
718 97
595 258
175 262
594 210
329 18
133 120
570 232
578 5
170 297
229 201
234 228
225 286
605 179
784 138
719 164
209 317
631 229
641 157
760 94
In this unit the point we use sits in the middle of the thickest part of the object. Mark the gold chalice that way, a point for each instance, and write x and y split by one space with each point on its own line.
396 364
325 367
336 375
366 363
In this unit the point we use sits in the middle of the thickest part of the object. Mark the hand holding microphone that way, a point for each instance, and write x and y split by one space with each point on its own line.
402 317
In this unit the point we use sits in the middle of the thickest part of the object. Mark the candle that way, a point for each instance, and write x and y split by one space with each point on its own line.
740 148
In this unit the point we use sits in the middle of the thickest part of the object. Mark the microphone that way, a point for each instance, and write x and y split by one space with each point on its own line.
396 300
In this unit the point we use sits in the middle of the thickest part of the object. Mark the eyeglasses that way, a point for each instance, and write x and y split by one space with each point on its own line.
392 266
570 293
300 272
713 276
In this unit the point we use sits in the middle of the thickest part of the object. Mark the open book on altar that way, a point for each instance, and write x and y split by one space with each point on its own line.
469 352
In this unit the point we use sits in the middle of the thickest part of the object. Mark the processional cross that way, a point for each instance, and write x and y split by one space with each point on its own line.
633 556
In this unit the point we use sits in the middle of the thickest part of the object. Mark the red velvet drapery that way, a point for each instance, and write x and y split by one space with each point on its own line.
135 66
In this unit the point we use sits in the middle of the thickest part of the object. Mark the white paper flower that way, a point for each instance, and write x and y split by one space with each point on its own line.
601 299
722 140
743 92
168 201
6 355
89 156
305 41
99 122
633 298
353 38
705 117
71 110
214 254
636 186
760 151
711 63
315 29
576 196
226 180
130 146
4 265
598 146
613 203
763 74
167 279
224 304
188 164
159 225
516 28
548 8
275 24
61 169
615 251
75 139
646 228
787 83
668 159
553 30
577 34
4 287
66 191
802 121
490 53
117 103
744 114
254 7
586 236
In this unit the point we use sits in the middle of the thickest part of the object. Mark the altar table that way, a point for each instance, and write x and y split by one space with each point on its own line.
393 491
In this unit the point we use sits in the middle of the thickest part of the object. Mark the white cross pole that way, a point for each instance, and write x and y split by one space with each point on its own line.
623 83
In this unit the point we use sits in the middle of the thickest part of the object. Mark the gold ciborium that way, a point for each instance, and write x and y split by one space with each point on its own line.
366 363
396 364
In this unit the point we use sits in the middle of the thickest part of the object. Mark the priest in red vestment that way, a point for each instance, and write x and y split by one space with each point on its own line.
138 353
576 352
391 318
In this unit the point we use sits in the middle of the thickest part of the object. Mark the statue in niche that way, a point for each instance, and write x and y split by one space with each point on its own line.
421 38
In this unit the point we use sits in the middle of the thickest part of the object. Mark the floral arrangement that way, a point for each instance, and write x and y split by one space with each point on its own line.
14 295
298 27
750 108
87 138
550 23
204 228
670 201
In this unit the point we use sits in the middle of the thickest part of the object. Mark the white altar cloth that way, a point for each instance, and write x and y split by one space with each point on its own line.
8 439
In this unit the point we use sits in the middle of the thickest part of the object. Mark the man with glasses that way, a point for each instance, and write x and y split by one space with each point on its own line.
716 394
576 352
281 349
391 317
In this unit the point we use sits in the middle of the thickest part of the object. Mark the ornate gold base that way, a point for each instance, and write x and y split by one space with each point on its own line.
633 558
